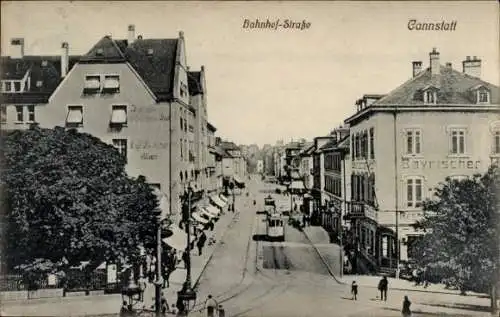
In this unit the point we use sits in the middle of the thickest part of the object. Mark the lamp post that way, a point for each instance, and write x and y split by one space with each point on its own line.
234 198
187 294
159 278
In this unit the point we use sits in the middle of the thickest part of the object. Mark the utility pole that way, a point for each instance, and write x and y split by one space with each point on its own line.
396 191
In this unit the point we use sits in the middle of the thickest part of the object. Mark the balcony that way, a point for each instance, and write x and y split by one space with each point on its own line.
360 210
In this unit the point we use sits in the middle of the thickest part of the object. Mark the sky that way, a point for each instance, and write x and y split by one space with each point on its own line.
264 85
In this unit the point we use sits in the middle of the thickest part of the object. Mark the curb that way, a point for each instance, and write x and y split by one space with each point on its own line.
323 260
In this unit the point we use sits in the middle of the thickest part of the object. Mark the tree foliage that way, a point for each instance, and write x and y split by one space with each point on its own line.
66 196
461 244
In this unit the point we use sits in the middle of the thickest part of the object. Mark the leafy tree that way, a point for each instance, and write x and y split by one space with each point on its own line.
461 244
66 196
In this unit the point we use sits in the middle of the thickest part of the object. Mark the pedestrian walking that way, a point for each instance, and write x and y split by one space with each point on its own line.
354 290
180 306
221 311
164 304
210 306
201 242
142 287
382 287
185 256
406 307
124 310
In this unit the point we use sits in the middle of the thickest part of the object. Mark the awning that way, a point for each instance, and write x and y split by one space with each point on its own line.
217 201
178 239
163 203
213 210
198 218
200 226
207 214
297 185
75 115
237 179
119 115
223 198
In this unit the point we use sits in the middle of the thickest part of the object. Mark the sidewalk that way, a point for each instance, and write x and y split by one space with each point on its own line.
198 263
319 237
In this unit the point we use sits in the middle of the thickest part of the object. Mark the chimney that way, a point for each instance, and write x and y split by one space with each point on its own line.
131 34
417 67
202 68
17 45
181 34
434 62
64 59
217 140
472 66
448 65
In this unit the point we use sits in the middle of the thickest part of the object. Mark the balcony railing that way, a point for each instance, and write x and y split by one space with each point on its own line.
359 209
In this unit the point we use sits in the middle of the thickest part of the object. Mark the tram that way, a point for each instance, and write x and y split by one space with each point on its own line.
275 227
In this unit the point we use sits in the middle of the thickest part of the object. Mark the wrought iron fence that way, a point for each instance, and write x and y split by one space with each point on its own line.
74 280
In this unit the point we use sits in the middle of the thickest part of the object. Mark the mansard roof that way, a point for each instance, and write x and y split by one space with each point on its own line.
453 88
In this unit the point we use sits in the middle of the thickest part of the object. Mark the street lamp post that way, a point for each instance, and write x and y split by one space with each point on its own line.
234 198
159 278
187 294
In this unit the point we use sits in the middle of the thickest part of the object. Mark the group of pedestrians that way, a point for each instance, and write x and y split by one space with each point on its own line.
383 285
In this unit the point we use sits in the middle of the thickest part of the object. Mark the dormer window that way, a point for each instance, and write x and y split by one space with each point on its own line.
44 63
99 52
39 83
430 97
150 52
483 96
7 86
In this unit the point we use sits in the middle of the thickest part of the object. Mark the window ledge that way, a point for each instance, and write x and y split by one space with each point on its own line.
413 156
20 122
458 156
495 155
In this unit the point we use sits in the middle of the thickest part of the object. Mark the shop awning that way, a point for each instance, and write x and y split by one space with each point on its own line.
200 226
217 201
198 218
207 214
238 180
223 198
178 239
297 185
213 210
163 203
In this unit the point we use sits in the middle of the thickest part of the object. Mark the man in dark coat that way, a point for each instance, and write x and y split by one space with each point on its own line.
201 242
382 287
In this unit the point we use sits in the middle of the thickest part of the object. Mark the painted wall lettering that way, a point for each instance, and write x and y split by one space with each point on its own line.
146 145
147 114
148 156
441 164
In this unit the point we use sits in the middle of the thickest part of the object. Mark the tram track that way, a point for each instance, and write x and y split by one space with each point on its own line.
252 275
